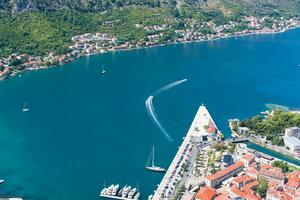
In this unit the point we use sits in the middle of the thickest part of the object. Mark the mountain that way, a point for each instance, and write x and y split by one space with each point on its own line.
83 5
16 6
40 27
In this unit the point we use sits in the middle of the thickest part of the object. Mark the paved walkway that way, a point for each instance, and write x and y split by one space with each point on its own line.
172 178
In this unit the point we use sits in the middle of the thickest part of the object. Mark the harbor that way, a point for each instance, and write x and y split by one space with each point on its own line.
126 193
75 112
202 131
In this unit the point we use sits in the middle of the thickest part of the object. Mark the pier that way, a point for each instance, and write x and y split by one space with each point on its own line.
202 129
114 197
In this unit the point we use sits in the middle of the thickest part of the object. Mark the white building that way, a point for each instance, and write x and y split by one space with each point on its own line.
243 130
292 132
293 144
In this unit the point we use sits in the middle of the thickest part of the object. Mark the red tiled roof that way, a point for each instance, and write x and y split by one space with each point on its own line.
272 193
273 172
245 194
295 176
206 193
292 184
223 196
248 157
253 164
242 179
251 185
252 170
225 171
265 166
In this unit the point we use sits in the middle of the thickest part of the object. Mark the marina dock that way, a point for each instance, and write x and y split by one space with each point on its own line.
113 197
126 193
202 129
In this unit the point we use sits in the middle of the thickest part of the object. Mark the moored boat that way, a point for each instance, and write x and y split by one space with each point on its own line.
137 196
131 193
126 191
115 190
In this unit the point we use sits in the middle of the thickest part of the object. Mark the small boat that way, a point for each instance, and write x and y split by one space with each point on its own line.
103 192
126 191
137 196
131 193
120 192
150 197
152 167
115 190
1 181
109 190
25 109
103 70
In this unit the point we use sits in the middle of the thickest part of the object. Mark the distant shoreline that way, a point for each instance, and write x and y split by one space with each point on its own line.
257 32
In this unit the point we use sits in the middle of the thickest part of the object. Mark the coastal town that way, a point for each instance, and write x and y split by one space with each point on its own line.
95 43
208 168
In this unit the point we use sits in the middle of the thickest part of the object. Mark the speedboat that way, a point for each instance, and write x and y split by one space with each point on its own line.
25 109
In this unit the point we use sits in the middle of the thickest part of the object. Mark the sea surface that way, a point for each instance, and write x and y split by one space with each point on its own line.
85 129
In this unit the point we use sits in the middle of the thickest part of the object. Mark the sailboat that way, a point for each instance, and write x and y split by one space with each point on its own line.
103 70
152 167
25 109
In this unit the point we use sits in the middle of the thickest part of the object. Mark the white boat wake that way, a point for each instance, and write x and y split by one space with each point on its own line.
152 114
151 109
169 86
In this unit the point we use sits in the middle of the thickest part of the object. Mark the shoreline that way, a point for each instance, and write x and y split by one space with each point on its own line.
234 35
275 149
275 158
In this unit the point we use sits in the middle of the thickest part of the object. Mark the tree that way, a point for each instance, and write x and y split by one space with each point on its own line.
282 165
262 187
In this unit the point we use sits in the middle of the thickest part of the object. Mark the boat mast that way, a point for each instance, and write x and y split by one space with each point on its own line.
153 157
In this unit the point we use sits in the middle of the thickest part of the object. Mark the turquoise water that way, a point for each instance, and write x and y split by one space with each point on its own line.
85 128
273 153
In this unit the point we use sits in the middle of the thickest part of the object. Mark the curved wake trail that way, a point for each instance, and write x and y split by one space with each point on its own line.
169 86
152 114
151 109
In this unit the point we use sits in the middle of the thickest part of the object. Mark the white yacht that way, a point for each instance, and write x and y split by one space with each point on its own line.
131 193
150 197
104 191
152 167
137 196
109 190
115 190
126 191
13 198
120 192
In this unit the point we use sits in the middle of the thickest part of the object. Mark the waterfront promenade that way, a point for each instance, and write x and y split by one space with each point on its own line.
199 129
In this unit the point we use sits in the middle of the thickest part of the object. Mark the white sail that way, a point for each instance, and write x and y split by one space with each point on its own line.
152 167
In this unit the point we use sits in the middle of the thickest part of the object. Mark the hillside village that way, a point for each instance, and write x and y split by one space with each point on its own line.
92 43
